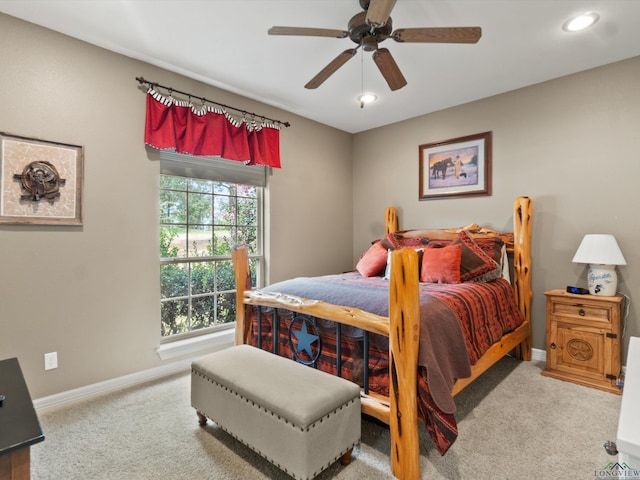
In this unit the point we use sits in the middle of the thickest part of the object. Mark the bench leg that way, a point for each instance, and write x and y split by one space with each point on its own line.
345 459
202 419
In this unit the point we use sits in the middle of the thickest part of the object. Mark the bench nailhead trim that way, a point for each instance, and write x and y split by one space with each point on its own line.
282 467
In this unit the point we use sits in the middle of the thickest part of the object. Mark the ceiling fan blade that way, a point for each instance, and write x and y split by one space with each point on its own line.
438 35
379 11
330 69
308 32
389 69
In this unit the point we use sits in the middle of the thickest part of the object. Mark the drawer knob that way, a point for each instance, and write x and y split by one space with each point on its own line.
581 312
553 346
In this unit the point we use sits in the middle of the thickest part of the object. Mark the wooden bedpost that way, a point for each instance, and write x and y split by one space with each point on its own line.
404 335
391 220
522 266
240 260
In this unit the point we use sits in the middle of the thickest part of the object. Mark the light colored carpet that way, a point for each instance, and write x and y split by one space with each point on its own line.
514 424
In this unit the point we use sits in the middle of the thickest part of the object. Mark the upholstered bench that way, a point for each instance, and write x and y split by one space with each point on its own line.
299 418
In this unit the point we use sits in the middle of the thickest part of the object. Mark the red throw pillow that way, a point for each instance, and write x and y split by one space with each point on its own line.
475 264
373 261
441 264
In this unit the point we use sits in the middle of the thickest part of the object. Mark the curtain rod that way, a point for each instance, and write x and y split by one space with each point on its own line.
244 112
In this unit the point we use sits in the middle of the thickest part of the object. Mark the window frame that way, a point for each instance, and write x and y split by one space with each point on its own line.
257 258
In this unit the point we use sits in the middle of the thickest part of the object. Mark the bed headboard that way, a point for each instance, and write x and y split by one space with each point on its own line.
473 229
450 234
517 242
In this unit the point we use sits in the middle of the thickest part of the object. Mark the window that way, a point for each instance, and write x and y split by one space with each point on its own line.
200 221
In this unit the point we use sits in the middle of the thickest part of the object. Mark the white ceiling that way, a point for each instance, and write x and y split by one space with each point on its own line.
225 43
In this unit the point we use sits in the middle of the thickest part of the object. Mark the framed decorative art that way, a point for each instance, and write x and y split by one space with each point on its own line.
40 181
457 167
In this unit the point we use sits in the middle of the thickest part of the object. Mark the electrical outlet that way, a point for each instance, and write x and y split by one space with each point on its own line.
50 360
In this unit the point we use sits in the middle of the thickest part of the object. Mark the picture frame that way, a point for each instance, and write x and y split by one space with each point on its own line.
40 181
458 167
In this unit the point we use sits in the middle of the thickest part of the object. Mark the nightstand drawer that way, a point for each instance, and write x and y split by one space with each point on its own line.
582 311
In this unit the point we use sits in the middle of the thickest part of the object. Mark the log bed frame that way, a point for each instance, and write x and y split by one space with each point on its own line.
402 327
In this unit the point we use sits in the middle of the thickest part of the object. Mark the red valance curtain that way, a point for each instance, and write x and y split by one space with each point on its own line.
209 131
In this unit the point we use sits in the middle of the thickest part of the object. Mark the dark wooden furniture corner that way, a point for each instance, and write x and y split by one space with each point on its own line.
19 424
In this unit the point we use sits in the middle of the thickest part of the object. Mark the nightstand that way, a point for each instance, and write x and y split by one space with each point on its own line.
583 339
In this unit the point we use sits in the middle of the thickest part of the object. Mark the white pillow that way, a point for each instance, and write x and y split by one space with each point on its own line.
505 265
387 270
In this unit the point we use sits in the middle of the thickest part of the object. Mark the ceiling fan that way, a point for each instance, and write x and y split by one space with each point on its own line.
371 27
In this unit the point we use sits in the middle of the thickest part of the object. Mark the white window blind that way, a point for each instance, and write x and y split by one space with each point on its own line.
212 168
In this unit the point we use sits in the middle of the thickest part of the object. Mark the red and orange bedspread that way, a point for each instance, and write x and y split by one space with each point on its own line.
459 322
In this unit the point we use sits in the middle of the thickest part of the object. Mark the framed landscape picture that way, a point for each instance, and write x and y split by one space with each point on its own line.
40 181
456 167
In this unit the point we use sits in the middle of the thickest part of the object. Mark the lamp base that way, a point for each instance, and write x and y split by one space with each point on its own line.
602 280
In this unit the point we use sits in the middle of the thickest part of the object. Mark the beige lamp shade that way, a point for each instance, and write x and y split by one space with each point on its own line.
599 248
602 253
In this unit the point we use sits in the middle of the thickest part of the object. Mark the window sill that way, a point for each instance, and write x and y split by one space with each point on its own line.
197 345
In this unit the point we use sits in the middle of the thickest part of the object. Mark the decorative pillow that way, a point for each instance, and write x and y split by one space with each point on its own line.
441 264
416 242
492 247
440 243
475 265
373 261
389 241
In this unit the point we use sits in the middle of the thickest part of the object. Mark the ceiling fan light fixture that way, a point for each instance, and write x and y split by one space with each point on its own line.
580 22
367 98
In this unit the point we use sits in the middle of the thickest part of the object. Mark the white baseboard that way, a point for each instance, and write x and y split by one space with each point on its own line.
194 349
538 355
111 385
137 378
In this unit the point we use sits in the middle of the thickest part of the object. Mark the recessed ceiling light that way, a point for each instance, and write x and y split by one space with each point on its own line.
580 22
366 98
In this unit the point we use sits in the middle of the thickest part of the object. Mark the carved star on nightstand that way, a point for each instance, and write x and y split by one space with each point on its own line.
580 350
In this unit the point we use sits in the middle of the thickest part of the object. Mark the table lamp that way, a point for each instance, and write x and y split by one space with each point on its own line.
602 253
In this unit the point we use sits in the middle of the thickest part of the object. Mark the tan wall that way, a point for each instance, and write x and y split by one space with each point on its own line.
91 293
571 144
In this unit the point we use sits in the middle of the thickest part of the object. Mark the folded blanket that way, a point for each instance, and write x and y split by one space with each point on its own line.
442 346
